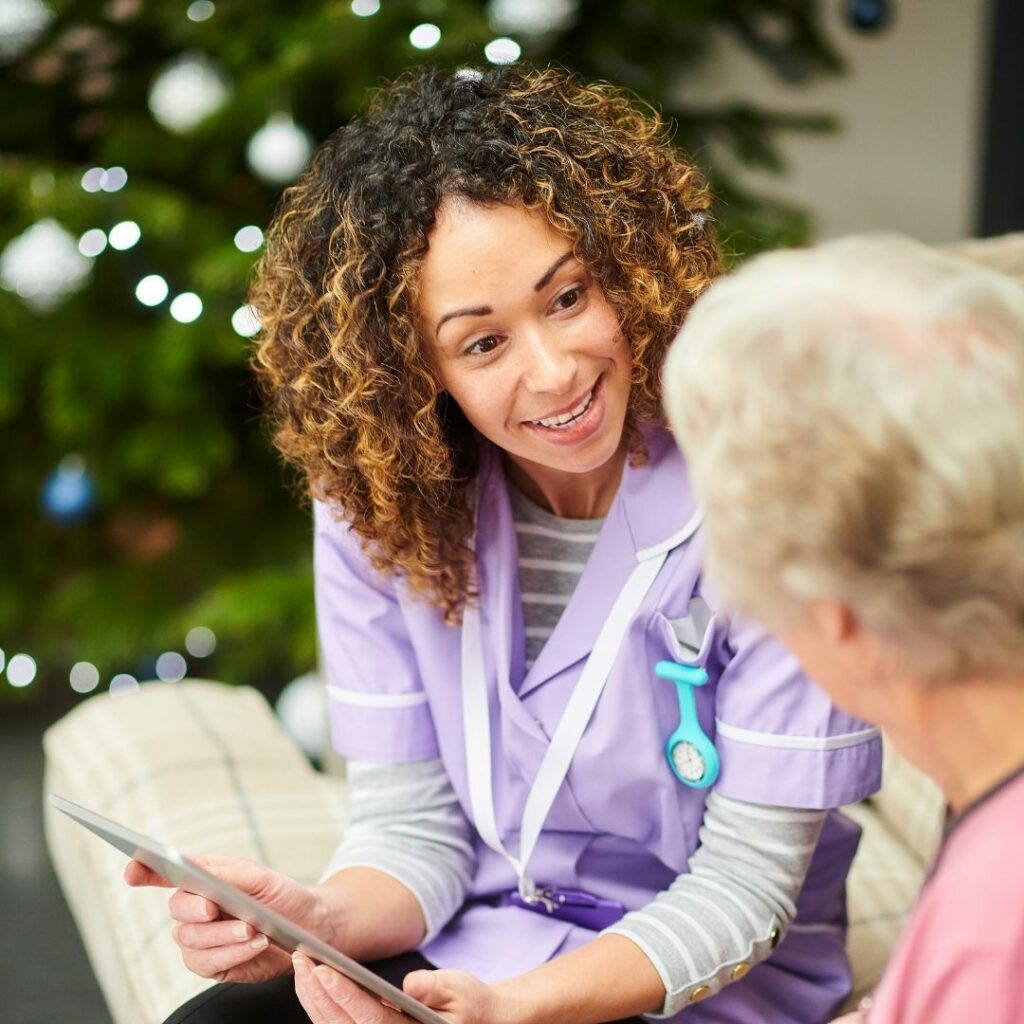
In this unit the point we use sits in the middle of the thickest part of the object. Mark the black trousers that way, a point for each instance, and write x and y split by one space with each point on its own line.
275 1002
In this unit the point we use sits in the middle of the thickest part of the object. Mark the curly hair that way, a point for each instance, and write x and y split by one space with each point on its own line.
353 400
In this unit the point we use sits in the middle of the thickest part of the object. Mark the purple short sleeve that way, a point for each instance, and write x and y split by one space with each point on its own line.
377 706
780 739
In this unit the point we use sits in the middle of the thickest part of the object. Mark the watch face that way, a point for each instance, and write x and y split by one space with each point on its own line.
688 762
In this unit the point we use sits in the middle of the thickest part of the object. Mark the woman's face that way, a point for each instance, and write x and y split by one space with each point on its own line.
523 338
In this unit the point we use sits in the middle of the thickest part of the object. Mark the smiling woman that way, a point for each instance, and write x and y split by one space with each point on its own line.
439 161
465 306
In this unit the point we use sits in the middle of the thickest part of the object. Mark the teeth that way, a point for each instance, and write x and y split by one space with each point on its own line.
553 422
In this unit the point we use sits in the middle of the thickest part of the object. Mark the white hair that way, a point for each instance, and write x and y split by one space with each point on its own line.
853 416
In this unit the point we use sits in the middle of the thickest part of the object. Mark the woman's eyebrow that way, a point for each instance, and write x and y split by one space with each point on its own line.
487 310
550 272
473 311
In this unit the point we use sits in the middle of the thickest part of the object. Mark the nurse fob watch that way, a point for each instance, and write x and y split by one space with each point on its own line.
690 754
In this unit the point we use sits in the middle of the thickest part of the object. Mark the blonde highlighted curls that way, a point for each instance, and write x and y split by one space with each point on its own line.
354 403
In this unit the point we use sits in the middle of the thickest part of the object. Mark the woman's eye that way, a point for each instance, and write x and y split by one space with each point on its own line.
483 346
569 298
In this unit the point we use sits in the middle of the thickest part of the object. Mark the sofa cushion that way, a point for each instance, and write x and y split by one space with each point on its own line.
202 766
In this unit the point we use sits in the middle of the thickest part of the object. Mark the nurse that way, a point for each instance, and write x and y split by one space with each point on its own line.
466 302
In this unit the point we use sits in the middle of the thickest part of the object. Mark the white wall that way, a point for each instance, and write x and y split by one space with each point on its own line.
907 155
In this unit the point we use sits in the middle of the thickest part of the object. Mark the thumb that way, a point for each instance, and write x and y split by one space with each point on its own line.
424 986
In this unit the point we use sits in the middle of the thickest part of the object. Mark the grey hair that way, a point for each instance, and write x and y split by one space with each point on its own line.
853 416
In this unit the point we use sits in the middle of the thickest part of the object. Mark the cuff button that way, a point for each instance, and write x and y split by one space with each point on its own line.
699 993
739 971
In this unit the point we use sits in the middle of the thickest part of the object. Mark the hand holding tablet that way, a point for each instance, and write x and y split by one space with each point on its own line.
190 875
214 945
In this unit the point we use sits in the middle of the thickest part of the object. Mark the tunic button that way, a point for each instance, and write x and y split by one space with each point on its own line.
774 937
739 971
699 993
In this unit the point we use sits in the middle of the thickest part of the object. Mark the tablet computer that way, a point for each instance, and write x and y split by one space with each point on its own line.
179 870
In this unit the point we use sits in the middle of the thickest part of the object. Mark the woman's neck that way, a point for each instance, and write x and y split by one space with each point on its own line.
569 495
966 735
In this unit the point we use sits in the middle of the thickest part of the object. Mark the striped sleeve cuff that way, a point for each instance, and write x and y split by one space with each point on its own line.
407 823
733 907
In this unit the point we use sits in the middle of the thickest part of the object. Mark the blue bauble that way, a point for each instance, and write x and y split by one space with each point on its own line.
68 494
869 15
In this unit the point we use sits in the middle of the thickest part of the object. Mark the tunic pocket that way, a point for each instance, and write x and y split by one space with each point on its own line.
689 639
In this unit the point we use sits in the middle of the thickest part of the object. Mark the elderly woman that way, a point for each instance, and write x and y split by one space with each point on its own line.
867 398
466 305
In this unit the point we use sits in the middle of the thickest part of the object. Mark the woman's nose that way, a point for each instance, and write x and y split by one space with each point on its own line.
548 366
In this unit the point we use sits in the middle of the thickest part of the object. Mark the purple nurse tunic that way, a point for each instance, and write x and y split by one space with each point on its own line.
622 826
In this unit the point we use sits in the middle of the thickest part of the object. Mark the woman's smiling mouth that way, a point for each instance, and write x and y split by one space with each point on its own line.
580 422
561 420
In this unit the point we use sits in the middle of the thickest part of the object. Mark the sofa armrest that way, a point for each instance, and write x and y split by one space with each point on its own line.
901 829
197 764
881 889
911 804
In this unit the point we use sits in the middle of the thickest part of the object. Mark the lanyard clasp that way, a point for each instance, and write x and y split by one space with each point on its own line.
529 893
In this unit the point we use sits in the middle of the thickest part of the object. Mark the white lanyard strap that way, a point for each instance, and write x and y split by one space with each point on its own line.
476 728
577 714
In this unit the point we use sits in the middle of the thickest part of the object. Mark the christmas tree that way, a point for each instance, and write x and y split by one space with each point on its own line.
147 525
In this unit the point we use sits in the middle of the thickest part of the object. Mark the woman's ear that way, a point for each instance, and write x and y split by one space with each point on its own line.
861 651
836 622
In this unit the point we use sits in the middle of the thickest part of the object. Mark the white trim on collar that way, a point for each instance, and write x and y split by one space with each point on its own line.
676 539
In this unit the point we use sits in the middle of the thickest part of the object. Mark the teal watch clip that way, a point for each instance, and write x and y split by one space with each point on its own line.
690 753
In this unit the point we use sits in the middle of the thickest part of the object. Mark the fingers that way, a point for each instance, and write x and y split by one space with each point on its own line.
242 874
330 998
220 962
313 987
188 907
249 877
217 933
137 874
211 946
185 906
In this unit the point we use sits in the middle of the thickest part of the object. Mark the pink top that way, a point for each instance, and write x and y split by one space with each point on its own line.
961 956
